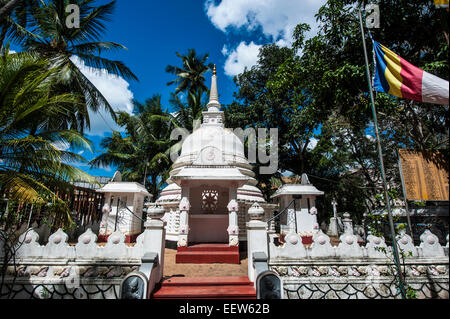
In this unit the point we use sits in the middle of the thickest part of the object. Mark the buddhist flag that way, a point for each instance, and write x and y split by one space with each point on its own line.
396 76
441 3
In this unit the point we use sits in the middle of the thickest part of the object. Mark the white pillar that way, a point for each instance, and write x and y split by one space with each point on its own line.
233 226
256 237
184 207
155 240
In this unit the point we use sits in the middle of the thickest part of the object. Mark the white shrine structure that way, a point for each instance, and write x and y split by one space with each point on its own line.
211 187
122 211
300 202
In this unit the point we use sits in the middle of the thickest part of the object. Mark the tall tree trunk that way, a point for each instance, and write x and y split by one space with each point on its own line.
8 8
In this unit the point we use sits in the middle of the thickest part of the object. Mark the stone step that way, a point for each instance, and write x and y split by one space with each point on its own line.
209 247
207 281
206 288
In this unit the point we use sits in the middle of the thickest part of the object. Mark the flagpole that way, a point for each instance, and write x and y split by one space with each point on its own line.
380 154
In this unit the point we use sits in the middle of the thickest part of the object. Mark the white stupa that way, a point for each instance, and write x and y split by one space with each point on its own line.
211 185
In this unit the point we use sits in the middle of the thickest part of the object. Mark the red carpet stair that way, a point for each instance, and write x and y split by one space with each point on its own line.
207 254
206 288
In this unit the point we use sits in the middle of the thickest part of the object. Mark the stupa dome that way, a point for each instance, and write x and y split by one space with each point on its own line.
214 136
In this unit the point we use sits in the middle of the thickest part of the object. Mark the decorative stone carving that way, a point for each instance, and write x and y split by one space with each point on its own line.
430 245
292 249
233 230
321 246
376 247
406 244
256 212
115 247
184 230
319 271
184 204
58 247
61 272
87 245
433 271
298 271
155 212
182 242
334 271
353 271
348 246
233 206
28 245
234 241
38 271
282 271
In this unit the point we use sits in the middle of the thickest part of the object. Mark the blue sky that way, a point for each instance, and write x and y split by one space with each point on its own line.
231 31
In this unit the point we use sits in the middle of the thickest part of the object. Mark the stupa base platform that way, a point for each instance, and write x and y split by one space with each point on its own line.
206 288
208 254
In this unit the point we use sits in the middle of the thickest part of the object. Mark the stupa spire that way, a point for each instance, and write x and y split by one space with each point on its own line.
213 105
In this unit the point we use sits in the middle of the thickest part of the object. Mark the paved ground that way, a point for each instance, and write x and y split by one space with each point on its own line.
201 270
172 269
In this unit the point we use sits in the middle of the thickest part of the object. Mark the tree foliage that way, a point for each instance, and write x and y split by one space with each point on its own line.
316 94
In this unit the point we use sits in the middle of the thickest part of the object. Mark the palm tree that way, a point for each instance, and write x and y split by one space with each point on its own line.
53 40
35 162
190 76
186 113
14 17
142 155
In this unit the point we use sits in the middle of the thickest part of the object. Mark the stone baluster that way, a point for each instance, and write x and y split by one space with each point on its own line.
321 246
376 247
430 245
154 239
87 245
58 246
406 244
185 206
28 245
256 236
233 227
115 246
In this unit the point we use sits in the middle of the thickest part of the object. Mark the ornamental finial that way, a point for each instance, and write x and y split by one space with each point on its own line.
214 70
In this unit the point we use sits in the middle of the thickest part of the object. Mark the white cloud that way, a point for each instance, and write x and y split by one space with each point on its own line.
245 55
276 19
116 91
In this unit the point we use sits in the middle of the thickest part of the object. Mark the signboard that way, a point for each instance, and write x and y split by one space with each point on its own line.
424 174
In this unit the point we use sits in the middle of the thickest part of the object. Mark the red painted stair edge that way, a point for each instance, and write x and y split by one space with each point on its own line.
205 288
